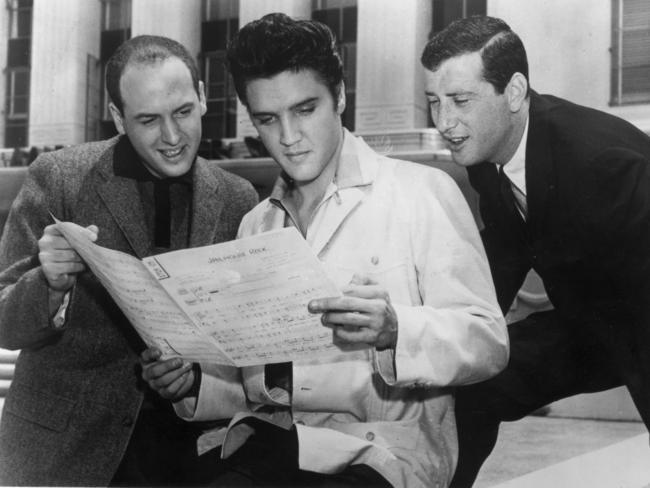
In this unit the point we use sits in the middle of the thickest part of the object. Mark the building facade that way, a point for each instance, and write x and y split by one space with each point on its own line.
594 53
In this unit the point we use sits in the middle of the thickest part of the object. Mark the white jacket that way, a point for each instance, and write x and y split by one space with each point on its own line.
409 228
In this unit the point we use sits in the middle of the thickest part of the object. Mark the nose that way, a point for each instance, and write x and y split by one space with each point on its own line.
445 118
169 132
289 131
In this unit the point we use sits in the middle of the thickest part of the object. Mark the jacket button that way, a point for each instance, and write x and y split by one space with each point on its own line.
127 421
370 436
374 260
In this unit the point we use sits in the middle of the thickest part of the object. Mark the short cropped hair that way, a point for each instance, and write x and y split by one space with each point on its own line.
277 43
502 52
145 50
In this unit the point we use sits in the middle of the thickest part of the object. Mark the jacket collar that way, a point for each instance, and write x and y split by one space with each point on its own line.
122 199
540 179
356 170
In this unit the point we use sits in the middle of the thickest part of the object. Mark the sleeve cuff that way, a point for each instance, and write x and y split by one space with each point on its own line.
59 319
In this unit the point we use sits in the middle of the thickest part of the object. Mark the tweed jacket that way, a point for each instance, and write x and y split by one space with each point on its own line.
75 395
407 227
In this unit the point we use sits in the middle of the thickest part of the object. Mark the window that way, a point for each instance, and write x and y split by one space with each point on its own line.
341 17
221 21
18 94
630 76
20 19
446 11
116 14
18 73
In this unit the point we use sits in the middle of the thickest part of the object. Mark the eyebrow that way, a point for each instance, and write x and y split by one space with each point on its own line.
145 115
452 94
292 107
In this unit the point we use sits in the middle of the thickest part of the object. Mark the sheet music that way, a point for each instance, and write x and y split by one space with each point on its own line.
144 302
251 295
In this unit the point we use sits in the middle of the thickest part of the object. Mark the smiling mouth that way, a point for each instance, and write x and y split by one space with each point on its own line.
294 155
172 153
455 142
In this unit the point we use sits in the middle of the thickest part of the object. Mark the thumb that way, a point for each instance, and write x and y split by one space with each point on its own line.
358 279
92 231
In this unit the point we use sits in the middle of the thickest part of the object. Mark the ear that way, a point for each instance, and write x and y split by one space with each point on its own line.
340 102
117 118
202 102
516 91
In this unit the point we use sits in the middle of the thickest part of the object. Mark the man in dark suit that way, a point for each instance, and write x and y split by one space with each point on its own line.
76 413
564 190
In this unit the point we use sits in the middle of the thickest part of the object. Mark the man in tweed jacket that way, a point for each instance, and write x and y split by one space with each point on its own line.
76 413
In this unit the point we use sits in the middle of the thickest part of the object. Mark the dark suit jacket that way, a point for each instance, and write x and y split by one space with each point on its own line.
75 395
587 233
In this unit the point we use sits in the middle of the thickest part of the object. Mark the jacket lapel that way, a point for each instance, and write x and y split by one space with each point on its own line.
540 180
122 200
207 207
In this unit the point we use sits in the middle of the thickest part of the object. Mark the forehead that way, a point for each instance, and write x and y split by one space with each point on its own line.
284 90
150 83
462 72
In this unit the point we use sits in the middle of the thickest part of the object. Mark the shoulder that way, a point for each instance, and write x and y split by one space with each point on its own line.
414 177
580 132
226 177
72 162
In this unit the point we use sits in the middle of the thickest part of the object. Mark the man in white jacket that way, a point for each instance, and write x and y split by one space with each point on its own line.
418 303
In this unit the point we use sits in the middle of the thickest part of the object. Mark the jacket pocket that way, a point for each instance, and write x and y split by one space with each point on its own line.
43 408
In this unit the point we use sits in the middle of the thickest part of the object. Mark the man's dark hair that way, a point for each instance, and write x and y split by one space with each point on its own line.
277 43
145 50
502 51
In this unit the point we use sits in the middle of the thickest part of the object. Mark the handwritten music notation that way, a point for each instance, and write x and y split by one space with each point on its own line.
238 303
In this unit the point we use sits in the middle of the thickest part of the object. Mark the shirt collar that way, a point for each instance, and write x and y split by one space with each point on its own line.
515 169
353 169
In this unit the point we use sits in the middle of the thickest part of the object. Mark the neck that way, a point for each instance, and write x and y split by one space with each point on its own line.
306 196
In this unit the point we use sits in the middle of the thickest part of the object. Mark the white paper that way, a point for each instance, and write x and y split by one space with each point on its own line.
240 303
250 295
154 315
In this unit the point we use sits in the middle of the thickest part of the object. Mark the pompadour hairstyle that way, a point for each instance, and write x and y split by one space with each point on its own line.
501 50
277 43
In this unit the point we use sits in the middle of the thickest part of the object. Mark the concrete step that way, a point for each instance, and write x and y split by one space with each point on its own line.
6 371
7 356
4 387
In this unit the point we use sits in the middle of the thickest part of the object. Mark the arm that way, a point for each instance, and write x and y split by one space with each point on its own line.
457 334
38 267
199 392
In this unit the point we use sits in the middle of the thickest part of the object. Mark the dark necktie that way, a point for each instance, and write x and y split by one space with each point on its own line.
507 195
127 164
162 206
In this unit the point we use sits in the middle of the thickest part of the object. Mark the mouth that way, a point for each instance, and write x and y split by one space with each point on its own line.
172 153
455 143
294 155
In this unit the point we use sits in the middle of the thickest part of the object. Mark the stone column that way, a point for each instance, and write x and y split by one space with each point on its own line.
390 87
64 34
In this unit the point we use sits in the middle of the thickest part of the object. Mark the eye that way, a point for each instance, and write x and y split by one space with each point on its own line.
265 120
147 120
306 110
461 101
184 112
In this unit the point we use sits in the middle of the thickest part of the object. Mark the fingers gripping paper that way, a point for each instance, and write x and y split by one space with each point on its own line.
239 303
